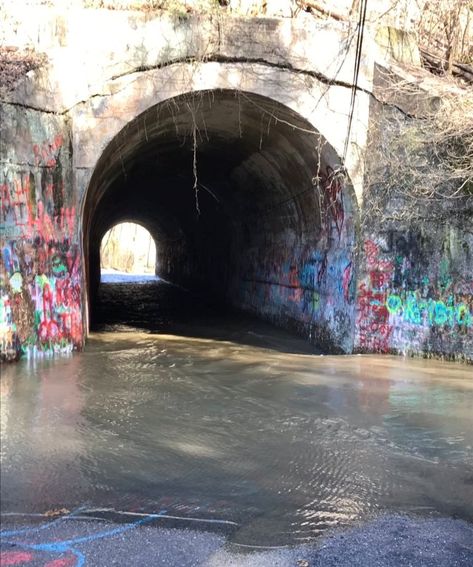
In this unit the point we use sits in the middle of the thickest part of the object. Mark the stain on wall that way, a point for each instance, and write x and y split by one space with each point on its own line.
40 272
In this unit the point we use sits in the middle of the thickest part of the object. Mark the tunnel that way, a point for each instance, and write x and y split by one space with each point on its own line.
247 203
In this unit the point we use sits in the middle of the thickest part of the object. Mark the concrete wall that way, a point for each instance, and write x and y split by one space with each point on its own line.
40 264
415 286
415 293
78 138
300 273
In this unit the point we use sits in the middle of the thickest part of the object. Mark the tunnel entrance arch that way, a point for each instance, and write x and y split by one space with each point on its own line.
247 201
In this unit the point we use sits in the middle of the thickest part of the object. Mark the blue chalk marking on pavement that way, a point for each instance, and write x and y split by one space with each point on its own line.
66 546
79 556
32 529
109 533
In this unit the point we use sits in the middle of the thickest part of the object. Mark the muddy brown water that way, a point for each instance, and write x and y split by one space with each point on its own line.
177 406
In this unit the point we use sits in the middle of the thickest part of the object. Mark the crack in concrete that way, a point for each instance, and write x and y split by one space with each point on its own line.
31 107
216 58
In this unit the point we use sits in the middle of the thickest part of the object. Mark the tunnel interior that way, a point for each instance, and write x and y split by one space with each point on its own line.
246 204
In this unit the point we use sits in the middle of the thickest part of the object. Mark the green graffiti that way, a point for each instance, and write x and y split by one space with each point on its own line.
435 312
58 267
463 314
42 280
16 282
394 304
445 279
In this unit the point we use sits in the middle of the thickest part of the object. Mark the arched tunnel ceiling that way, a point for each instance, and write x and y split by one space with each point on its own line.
251 154
217 177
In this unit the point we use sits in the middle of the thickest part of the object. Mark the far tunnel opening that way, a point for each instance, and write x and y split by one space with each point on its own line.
127 253
247 204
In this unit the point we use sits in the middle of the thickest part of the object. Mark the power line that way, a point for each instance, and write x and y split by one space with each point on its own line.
356 72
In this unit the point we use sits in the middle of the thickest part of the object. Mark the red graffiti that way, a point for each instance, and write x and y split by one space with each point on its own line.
48 330
294 283
64 562
47 152
18 211
378 279
322 271
14 201
373 328
333 198
371 252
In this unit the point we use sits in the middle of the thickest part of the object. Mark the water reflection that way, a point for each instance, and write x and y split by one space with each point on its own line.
41 432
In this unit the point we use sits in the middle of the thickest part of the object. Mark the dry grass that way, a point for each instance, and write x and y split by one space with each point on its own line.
421 163
180 6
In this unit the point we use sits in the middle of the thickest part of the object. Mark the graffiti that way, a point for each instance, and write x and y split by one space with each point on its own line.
43 301
419 311
55 552
373 328
333 198
406 303
40 545
40 308
14 197
47 153
347 281
306 280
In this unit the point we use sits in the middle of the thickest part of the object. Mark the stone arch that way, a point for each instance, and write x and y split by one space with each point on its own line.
99 119
245 200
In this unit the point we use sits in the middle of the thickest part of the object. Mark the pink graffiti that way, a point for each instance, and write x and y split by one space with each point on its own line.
48 330
371 252
46 152
294 283
64 562
14 201
18 210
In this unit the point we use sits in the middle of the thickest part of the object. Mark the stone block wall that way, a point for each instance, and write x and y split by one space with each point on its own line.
415 285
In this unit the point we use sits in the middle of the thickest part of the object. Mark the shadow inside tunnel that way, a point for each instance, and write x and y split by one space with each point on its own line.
159 307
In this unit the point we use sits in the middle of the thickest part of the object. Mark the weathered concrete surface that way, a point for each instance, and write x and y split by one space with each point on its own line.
40 303
248 115
415 286
103 83
415 293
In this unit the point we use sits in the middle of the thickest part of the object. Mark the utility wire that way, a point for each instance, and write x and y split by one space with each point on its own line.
356 72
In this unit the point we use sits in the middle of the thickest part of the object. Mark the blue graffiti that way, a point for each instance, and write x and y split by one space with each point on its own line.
7 259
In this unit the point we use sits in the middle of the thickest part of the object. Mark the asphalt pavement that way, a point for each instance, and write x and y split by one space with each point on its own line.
389 541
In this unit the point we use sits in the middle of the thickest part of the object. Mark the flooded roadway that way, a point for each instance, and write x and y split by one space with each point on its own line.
222 417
